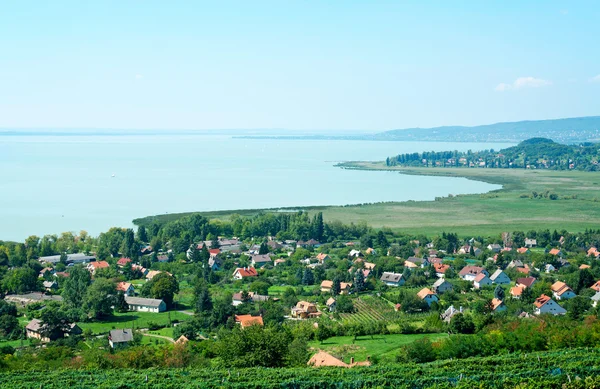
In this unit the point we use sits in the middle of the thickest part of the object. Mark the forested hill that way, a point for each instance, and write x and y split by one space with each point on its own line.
534 153
570 130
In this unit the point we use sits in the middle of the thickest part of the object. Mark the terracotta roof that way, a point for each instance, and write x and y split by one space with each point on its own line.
540 301
560 287
123 286
522 250
246 271
123 261
516 291
330 301
480 277
473 270
327 284
524 270
496 303
555 251
441 268
593 252
99 264
424 293
249 320
214 251
322 256
596 286
324 359
584 266
182 340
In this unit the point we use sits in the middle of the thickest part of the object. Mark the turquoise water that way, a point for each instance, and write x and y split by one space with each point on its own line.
51 184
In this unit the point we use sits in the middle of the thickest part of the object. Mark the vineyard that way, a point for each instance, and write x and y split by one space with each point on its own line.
572 369
370 309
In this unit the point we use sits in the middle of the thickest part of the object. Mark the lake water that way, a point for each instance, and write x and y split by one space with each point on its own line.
51 184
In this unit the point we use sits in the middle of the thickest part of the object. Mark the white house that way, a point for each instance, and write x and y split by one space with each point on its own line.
498 305
500 277
468 273
145 305
392 279
595 298
481 280
428 296
544 304
126 288
441 286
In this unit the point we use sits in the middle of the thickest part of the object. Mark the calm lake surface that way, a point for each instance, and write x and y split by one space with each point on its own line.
51 184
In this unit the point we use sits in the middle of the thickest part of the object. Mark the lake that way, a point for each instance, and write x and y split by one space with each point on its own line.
51 184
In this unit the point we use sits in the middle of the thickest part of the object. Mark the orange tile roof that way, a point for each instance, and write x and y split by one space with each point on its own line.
247 271
554 251
496 303
560 287
596 286
441 268
123 286
99 264
249 320
327 284
424 293
516 291
540 301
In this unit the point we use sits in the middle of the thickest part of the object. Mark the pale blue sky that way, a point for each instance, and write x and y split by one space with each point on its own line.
368 65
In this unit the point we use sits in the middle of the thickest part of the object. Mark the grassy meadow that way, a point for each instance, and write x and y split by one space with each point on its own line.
506 209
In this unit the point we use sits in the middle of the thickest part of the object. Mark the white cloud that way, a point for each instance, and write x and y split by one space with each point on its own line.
595 79
522 82
139 76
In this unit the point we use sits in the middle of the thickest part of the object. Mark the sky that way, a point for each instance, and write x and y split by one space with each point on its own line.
353 65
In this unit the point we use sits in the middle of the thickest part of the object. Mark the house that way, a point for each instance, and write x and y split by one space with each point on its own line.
562 291
468 273
94 266
392 279
274 245
428 296
305 310
71 258
441 286
326 286
481 280
593 252
449 313
440 269
141 269
182 340
331 303
355 253
523 250
516 291
45 270
596 286
414 262
153 273
259 261
215 263
322 257
238 298
278 262
309 243
495 247
498 305
371 251
530 242
526 282
466 250
244 272
500 277
549 268
35 329
120 338
345 287
595 298
122 262
50 285
126 288
246 321
322 358
515 263
140 304
584 266
162 258
556 252
544 304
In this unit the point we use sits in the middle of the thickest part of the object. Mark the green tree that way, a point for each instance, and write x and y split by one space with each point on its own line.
323 332
308 277
336 288
75 286
162 286
142 234
499 293
20 280
100 298
255 346
120 303
54 323
204 303
462 324
343 304
585 279
577 306
264 248
359 280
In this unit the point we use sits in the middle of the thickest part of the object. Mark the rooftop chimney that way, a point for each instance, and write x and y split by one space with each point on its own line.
351 360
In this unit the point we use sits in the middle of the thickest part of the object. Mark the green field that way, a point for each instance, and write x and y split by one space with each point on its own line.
485 214
384 347
131 319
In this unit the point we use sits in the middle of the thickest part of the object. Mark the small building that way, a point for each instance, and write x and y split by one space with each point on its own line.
468 273
499 277
29 298
526 282
244 272
324 359
93 267
481 280
246 321
562 291
595 298
596 286
355 254
516 291
50 285
530 242
120 338
326 286
414 262
556 252
35 329
238 298
441 286
440 269
449 313
71 258
322 257
523 250
153 273
141 304
331 303
494 247
122 262
392 279
126 287
428 296
498 305
545 304
345 287
305 310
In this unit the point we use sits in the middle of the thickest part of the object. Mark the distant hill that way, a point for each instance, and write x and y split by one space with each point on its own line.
570 130
534 153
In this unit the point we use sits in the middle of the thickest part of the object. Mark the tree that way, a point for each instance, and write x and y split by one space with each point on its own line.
382 241
585 279
75 286
260 287
162 286
307 277
9 324
195 254
129 247
462 324
323 332
359 280
343 304
264 248
255 346
337 287
100 298
499 293
54 323
297 353
63 258
120 303
142 235
20 280
319 226
577 306
204 304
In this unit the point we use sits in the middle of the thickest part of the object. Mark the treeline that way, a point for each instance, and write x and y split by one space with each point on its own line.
535 153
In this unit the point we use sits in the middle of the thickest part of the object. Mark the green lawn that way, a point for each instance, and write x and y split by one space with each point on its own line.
384 347
127 320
